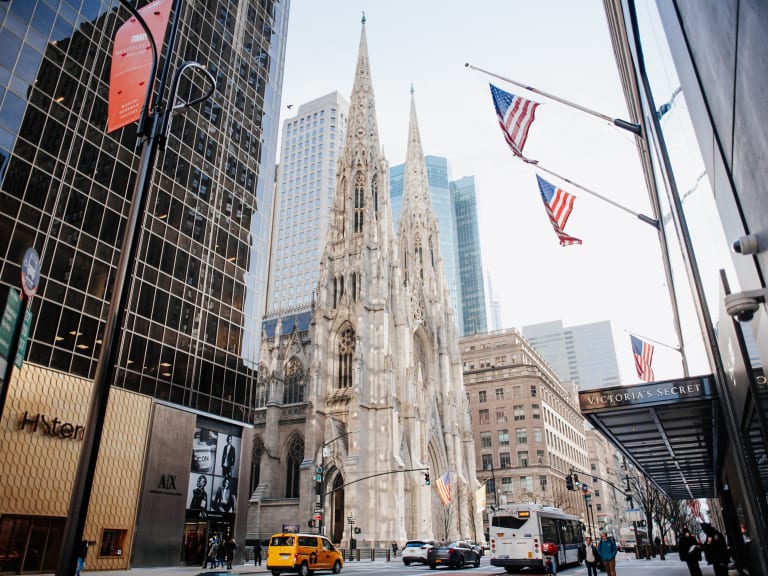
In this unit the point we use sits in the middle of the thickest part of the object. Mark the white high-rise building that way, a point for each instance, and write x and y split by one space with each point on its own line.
311 144
584 353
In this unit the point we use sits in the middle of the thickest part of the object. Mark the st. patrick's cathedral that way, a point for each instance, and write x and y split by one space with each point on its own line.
364 392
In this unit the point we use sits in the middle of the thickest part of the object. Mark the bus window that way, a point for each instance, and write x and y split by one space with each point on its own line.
549 530
508 522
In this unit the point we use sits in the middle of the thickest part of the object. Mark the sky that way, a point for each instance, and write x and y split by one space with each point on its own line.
557 46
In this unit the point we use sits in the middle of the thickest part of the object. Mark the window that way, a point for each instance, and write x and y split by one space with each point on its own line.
503 437
593 467
538 435
599 507
112 542
597 493
487 460
522 458
485 440
505 460
535 414
519 411
501 415
543 481
533 391
485 416
346 352
499 393
521 435
507 485
293 391
540 456
526 484
482 396
293 466
517 392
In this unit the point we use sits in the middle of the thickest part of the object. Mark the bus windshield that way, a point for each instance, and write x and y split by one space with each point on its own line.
505 521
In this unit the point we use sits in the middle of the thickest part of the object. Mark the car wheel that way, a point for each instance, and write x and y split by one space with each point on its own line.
407 562
275 573
432 566
477 562
303 569
336 567
460 564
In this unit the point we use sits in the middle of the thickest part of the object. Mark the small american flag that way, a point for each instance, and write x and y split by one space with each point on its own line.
643 352
444 488
559 205
515 116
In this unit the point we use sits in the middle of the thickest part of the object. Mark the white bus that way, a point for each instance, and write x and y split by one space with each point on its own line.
518 531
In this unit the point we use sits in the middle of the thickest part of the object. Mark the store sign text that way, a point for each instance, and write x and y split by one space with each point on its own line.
52 426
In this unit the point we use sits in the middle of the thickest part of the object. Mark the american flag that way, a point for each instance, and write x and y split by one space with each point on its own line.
558 204
444 487
643 352
515 116
695 507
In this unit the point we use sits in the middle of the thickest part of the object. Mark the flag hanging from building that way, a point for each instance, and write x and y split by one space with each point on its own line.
515 116
695 507
444 487
558 204
643 352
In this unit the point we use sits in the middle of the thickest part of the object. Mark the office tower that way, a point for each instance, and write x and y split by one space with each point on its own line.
185 381
469 256
495 307
310 148
364 397
455 204
582 353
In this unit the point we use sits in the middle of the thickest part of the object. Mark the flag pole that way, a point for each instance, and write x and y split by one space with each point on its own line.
618 122
675 348
642 217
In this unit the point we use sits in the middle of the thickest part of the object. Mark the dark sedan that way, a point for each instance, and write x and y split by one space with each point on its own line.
456 554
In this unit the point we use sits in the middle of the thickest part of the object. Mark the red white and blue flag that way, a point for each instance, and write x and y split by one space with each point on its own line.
444 488
643 352
515 116
558 204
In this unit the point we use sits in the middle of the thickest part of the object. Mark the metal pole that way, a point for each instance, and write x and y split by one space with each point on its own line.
105 371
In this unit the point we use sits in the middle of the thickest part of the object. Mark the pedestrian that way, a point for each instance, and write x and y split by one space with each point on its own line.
82 552
221 554
257 553
210 557
230 547
657 544
607 552
588 554
394 548
690 552
716 550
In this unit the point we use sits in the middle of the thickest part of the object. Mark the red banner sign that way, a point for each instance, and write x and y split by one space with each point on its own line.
132 63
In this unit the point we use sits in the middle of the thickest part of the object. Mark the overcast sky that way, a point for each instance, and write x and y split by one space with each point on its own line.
562 47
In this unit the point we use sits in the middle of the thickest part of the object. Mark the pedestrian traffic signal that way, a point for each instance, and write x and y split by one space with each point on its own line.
311 523
426 478
569 482
319 474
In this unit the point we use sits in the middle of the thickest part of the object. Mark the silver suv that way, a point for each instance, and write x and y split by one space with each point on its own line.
416 551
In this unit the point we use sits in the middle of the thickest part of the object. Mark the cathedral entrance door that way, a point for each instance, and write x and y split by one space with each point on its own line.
337 510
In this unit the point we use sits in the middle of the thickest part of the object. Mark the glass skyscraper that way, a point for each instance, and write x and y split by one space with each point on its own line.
186 378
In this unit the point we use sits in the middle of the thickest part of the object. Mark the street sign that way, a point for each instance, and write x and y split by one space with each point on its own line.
21 347
351 520
318 517
318 507
8 327
30 272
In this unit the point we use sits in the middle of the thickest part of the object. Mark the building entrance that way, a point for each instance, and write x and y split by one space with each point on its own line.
30 543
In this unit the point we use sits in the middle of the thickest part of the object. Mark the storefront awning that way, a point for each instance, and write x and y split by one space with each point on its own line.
668 430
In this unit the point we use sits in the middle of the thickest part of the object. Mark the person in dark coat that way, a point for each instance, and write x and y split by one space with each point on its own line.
716 550
230 546
257 553
690 552
588 554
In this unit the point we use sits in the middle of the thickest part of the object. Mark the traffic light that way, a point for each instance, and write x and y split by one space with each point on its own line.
318 480
576 480
311 523
569 482
426 478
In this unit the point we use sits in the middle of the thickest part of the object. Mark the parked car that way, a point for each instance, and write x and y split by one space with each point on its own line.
416 551
456 554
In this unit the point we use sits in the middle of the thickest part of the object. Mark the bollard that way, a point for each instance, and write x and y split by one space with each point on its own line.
373 554
388 553
357 550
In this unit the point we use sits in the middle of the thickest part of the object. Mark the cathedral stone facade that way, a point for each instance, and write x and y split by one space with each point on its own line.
363 391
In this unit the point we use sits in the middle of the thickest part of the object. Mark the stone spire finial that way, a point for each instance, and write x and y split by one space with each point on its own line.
363 19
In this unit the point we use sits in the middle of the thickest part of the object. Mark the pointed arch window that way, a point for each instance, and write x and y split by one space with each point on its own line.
293 391
359 203
375 192
419 256
293 465
261 388
346 352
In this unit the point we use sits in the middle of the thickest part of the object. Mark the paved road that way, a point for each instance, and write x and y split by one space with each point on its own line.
625 566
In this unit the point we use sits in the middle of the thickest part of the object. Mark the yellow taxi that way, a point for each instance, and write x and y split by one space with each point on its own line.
302 554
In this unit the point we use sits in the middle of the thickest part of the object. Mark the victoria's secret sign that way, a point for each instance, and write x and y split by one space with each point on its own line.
51 426
668 391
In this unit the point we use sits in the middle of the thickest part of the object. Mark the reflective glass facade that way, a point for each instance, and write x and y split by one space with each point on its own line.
191 334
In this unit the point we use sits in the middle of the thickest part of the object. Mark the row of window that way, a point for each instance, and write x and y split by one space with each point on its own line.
502 436
518 410
517 392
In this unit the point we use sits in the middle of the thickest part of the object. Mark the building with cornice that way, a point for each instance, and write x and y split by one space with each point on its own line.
365 386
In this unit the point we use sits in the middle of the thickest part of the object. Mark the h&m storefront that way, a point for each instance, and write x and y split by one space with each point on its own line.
167 479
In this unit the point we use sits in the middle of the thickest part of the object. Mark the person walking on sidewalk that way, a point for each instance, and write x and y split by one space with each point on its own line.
690 552
257 553
607 552
716 550
588 554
